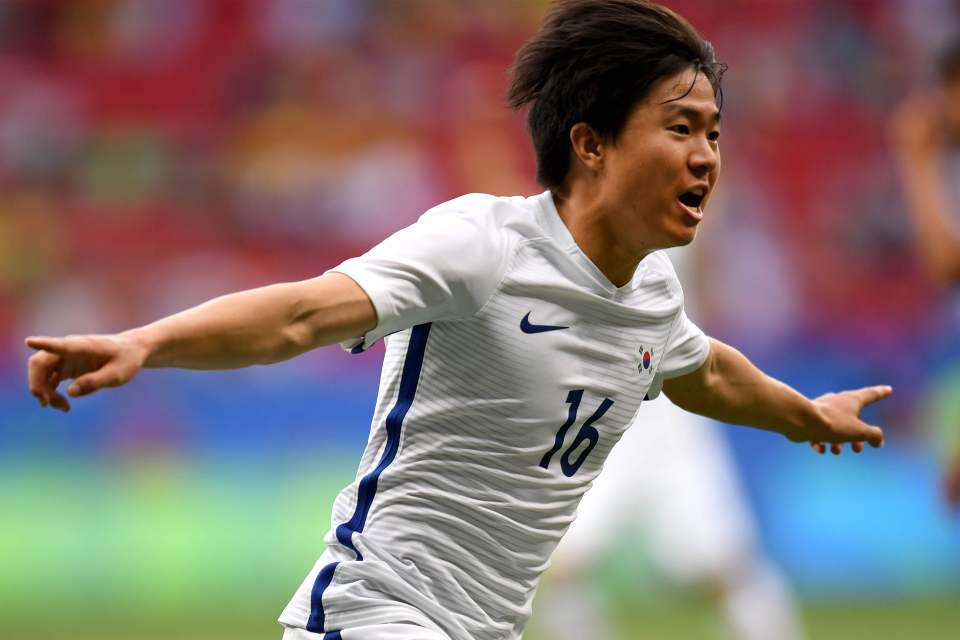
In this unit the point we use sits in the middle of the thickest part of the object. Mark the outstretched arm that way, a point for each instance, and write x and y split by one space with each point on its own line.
729 388
259 326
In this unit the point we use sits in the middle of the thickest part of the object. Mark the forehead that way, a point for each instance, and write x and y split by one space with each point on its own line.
687 91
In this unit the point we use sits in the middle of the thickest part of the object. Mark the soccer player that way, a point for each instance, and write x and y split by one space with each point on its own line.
522 335
926 134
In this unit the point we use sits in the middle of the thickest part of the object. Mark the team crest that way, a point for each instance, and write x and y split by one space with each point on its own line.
646 357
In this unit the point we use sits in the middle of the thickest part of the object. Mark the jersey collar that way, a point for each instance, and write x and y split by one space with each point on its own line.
549 218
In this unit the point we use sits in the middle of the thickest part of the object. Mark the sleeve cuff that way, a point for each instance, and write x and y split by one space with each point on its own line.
660 377
380 299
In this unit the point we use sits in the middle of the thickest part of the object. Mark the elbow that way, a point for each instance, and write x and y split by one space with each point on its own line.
299 331
297 338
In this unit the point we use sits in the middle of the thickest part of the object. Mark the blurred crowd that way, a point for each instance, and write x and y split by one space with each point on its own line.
154 154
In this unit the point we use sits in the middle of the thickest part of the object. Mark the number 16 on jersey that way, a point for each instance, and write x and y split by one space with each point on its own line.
587 433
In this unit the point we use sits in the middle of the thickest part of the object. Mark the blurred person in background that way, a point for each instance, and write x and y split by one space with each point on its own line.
671 482
926 134
494 310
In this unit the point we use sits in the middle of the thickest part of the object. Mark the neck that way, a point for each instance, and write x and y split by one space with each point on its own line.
590 226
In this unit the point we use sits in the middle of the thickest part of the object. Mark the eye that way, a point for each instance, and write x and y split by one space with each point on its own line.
713 136
680 128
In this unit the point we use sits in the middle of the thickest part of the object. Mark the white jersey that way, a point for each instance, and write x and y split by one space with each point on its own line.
512 366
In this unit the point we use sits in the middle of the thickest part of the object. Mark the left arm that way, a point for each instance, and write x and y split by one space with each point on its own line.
729 388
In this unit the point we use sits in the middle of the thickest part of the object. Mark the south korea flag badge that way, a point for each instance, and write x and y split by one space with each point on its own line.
646 357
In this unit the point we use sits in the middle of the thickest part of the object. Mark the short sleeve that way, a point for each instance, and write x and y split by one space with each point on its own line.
444 266
687 349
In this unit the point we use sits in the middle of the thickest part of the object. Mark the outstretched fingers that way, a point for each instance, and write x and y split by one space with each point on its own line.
869 395
43 375
60 346
862 432
58 359
836 447
91 362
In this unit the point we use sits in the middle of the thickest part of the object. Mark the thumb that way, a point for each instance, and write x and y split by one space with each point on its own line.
108 376
873 435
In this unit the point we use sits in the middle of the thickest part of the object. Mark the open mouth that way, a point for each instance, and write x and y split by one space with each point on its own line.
693 199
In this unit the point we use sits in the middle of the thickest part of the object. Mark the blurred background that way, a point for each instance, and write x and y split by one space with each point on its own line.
154 154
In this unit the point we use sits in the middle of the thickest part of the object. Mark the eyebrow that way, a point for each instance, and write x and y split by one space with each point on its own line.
690 112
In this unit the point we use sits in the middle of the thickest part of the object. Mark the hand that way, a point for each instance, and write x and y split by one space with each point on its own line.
916 126
93 362
839 420
951 483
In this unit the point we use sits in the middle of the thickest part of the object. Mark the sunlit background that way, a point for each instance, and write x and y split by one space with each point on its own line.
156 153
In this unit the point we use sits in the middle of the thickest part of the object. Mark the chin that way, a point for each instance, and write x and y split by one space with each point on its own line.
683 238
688 238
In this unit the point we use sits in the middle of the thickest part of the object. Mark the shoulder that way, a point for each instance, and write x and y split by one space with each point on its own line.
498 219
470 239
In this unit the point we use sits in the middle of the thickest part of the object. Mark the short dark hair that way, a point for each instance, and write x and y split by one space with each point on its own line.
592 61
948 64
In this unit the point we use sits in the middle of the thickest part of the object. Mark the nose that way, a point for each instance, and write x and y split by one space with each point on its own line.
704 158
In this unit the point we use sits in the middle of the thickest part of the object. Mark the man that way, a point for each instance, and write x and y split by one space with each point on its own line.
926 135
523 335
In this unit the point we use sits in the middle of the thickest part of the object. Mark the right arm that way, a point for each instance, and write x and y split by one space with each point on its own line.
258 326
446 265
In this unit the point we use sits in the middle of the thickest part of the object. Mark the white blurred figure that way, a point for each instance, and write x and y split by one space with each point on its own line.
671 476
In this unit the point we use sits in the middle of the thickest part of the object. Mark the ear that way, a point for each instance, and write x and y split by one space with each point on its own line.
587 146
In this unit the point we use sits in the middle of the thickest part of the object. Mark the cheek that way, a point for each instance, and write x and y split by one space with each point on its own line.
646 173
635 175
660 167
